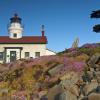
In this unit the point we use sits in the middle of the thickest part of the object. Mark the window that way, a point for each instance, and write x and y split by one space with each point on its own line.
15 35
27 54
37 54
1 55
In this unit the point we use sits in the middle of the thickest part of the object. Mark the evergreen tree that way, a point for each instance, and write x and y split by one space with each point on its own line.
96 14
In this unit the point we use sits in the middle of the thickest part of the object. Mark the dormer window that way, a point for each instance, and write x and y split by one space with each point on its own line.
15 35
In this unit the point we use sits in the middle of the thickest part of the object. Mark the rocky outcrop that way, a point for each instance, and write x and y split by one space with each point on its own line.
71 76
81 86
94 62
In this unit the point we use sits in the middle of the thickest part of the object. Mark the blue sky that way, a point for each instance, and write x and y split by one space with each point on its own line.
64 20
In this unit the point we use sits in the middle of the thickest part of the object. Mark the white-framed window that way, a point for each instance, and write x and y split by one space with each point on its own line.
1 55
37 54
27 54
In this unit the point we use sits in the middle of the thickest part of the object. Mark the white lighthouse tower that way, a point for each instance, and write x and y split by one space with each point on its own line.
15 28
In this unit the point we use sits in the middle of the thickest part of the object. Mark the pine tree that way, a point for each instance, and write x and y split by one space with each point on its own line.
96 14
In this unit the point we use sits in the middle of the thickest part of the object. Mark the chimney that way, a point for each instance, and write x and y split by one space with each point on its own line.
42 30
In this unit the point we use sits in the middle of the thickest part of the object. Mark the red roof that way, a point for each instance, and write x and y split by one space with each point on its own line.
24 40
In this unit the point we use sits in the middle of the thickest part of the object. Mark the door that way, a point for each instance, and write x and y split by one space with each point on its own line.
12 56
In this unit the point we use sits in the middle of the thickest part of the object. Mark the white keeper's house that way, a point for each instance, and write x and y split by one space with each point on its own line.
16 46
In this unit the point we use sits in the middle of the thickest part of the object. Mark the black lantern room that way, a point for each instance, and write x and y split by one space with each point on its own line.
15 19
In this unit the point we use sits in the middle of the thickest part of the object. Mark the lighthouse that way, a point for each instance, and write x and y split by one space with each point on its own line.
15 28
17 46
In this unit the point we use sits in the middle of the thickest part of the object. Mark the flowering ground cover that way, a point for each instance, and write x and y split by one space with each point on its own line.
26 79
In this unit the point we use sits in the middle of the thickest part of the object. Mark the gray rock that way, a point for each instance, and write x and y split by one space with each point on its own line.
86 77
57 89
90 73
85 98
98 89
60 96
65 96
90 87
56 69
97 73
94 96
94 58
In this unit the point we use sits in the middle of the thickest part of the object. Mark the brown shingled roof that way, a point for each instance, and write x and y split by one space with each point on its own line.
24 40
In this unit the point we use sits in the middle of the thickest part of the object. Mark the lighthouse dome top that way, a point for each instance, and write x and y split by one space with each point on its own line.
15 28
15 18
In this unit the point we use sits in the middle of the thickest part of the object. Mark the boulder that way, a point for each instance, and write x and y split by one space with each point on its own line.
94 96
86 77
70 77
94 59
90 87
97 73
69 81
59 96
72 88
56 69
98 89
92 69
65 96
90 73
57 89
